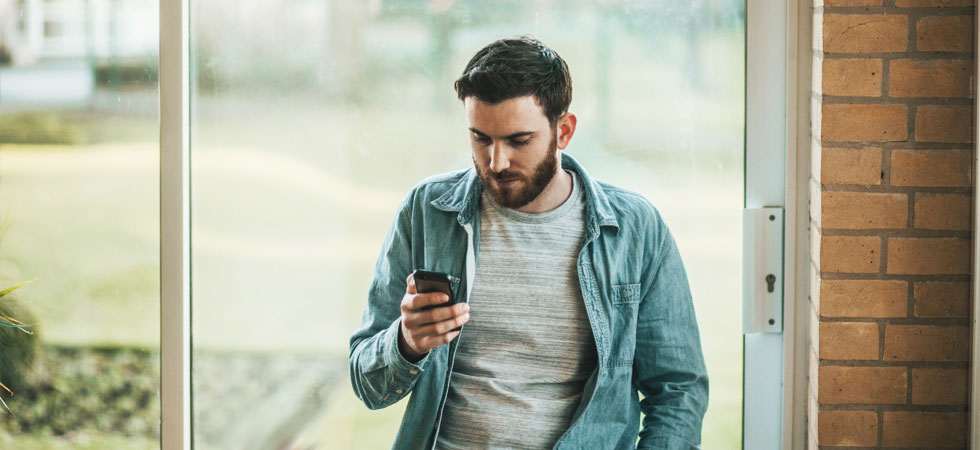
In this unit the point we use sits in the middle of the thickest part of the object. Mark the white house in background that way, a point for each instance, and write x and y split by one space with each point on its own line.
92 30
49 48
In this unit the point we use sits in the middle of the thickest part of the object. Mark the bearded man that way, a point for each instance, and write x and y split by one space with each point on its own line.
571 293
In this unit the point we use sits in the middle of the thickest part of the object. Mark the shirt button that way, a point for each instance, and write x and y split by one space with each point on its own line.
398 391
413 372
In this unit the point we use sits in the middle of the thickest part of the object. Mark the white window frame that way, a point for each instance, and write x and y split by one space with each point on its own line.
777 119
780 97
175 244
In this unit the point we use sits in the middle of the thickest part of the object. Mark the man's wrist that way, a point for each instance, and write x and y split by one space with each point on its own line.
404 349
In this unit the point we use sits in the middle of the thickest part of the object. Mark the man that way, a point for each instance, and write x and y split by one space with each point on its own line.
572 296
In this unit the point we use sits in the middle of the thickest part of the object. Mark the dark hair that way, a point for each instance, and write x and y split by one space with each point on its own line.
515 67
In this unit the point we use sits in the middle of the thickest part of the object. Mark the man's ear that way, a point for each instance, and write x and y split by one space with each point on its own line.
566 128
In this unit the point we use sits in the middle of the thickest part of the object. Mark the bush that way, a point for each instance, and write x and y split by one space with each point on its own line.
39 128
17 348
108 389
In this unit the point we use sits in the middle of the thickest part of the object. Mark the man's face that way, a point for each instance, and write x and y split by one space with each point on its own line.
515 150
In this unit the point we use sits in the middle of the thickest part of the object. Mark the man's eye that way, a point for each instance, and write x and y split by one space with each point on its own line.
482 140
520 143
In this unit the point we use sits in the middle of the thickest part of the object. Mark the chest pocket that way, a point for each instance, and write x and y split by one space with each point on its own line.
623 294
625 299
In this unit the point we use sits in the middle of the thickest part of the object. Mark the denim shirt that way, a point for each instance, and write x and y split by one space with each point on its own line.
636 295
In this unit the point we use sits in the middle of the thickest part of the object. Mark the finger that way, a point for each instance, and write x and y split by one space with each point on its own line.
419 318
413 303
406 305
439 328
444 313
442 339
428 299
410 282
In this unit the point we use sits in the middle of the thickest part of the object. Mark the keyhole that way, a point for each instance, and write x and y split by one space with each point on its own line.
771 281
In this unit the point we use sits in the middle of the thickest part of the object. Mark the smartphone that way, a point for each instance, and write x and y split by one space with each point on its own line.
428 281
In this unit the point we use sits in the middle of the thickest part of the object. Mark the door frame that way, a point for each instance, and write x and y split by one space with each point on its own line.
799 136
779 56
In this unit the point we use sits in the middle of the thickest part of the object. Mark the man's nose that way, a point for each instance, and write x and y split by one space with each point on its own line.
499 159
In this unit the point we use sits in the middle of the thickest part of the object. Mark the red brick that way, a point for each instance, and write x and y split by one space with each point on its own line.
930 78
926 343
942 211
932 168
850 254
865 33
942 299
848 428
852 77
928 256
851 166
863 298
939 386
849 340
924 429
864 123
935 123
944 34
862 385
864 210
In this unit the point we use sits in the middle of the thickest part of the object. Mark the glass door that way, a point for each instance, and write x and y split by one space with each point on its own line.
310 120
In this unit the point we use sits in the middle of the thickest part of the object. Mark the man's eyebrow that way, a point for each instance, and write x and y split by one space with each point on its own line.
509 136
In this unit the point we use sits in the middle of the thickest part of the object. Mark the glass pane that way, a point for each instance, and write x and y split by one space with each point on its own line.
312 119
79 190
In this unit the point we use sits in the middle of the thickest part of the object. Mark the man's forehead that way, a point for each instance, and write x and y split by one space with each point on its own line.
508 116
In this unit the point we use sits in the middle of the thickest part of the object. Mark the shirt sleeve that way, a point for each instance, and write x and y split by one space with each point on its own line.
669 368
380 374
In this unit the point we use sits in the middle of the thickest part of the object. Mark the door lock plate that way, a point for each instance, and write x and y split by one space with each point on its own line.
762 270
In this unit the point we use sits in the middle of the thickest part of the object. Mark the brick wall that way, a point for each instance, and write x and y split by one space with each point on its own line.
891 195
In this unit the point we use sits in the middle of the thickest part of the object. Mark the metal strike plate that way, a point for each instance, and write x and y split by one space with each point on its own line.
762 270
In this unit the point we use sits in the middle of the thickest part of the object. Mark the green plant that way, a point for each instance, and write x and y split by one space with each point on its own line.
19 343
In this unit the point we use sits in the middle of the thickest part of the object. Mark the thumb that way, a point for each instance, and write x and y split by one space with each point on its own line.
411 284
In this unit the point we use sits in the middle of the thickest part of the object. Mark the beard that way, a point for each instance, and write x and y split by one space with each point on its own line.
527 188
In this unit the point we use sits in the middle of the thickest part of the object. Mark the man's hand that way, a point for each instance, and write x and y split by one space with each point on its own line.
422 331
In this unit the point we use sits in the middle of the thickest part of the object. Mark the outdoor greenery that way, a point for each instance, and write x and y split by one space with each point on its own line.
111 390
70 128
40 128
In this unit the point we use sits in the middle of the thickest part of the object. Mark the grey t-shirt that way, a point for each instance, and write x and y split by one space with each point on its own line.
526 353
